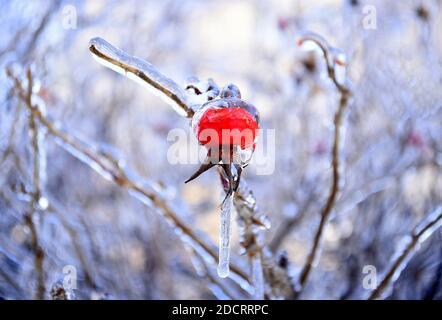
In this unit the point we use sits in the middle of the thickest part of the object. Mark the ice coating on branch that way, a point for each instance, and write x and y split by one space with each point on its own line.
407 248
199 92
340 64
224 237
243 156
429 225
141 72
257 277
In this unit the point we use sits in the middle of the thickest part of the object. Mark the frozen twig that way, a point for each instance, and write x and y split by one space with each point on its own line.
109 167
142 72
290 223
411 244
10 147
56 208
331 59
36 193
345 94
268 278
251 235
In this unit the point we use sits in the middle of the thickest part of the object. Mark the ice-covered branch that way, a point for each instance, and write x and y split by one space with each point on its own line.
290 223
251 234
331 60
333 57
37 165
420 233
142 72
110 168
268 278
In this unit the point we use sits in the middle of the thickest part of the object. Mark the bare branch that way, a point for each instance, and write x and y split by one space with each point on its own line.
269 279
420 233
251 234
335 187
330 60
10 147
35 195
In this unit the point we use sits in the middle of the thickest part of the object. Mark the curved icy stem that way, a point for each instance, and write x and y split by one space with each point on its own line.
335 187
142 72
326 50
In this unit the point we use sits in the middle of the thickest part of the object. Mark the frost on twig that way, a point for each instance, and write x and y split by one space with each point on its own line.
37 203
333 59
269 279
142 72
410 245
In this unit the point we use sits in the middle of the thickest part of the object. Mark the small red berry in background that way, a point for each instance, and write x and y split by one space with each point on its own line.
415 139
283 23
320 148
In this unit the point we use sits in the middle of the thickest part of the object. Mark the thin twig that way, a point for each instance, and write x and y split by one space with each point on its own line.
57 209
335 186
270 279
251 235
12 133
290 223
36 194
419 234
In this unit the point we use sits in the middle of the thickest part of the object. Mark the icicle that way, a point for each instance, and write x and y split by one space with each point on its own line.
224 237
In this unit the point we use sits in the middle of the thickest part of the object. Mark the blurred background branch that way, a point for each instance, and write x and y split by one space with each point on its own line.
338 119
431 224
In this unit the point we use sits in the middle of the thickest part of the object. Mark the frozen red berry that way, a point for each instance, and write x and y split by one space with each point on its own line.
228 128
232 126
